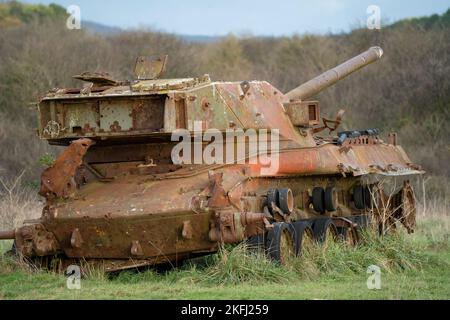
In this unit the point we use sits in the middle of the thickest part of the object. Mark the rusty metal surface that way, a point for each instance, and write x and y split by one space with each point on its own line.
116 238
261 107
58 180
80 118
357 160
36 240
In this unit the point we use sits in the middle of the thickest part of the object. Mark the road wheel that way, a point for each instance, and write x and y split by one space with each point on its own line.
272 197
257 243
325 230
408 209
286 200
318 199
331 199
348 235
308 242
363 221
304 237
280 242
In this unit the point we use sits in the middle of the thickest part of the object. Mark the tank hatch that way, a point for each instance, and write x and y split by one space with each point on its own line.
149 67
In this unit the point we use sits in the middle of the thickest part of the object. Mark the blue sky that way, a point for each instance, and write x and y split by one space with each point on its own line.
257 17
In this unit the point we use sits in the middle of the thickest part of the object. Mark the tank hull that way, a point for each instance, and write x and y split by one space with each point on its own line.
141 219
119 196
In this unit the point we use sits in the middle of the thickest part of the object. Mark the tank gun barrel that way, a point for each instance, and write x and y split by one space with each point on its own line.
330 77
7 235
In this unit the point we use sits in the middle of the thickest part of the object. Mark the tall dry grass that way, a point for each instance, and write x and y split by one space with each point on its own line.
17 203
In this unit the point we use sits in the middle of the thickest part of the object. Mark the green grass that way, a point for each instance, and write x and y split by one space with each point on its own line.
422 285
413 267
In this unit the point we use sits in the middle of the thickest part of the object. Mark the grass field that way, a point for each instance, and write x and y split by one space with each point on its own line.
413 267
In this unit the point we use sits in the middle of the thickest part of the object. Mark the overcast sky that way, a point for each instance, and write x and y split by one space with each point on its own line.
257 17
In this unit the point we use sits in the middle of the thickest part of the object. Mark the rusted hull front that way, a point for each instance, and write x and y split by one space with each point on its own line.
157 236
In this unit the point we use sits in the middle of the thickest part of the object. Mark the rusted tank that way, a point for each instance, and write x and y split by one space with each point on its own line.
161 170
